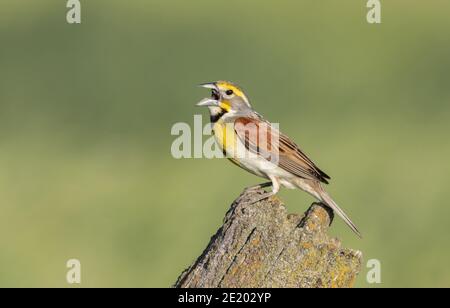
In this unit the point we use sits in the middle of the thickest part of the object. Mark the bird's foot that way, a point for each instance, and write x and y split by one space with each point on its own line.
250 196
260 198
257 187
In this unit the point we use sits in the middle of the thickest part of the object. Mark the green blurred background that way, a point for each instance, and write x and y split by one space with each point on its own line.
86 112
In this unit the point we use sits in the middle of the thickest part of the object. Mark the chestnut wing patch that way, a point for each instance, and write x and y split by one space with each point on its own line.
261 138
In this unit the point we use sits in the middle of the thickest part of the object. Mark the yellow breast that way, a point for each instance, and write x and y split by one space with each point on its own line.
233 149
226 137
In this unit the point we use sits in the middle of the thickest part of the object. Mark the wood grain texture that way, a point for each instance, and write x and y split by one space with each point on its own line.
260 246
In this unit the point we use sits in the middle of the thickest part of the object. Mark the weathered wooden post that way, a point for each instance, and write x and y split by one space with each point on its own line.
259 245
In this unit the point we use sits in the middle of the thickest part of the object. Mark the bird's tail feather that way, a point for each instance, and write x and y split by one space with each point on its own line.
325 197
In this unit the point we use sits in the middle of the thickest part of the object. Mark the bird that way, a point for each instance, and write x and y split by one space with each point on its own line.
257 146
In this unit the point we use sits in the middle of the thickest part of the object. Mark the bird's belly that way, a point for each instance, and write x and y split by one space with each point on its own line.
266 169
255 166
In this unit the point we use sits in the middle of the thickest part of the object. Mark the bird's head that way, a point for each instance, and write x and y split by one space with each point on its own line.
226 97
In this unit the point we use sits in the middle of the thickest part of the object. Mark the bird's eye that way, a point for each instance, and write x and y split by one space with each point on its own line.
229 92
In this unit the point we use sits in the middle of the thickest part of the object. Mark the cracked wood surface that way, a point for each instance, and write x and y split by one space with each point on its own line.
260 246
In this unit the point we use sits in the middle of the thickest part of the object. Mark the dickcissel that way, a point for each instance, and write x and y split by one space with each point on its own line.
259 147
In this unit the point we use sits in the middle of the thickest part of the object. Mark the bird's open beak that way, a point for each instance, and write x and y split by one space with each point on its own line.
215 97
209 85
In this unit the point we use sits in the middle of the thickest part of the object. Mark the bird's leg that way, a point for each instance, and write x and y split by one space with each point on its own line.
276 187
259 186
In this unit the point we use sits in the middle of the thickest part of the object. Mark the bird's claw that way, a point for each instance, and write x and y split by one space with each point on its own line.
257 187
260 198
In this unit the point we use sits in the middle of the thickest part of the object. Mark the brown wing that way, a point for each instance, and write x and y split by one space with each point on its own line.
251 132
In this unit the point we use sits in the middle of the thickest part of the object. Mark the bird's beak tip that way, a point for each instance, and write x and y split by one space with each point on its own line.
208 85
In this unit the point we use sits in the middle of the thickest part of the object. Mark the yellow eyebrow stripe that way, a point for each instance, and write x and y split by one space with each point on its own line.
229 86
